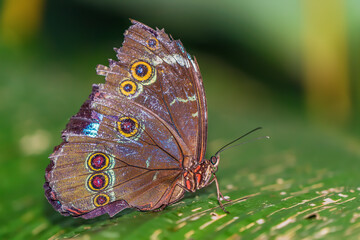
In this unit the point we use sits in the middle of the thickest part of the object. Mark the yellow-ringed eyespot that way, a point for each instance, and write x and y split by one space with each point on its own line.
128 87
98 161
152 43
128 126
101 200
98 181
141 71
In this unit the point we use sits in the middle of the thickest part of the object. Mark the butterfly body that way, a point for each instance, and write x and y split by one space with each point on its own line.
139 140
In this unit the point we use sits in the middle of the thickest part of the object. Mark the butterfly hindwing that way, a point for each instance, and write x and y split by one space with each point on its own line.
138 166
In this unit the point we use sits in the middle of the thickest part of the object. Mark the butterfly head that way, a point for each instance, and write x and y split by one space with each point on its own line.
214 162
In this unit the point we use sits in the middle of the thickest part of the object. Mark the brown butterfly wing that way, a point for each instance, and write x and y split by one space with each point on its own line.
175 92
140 170
155 90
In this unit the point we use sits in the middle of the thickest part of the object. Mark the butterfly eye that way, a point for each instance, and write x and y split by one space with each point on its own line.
101 200
98 181
141 71
128 126
152 43
213 160
98 161
128 88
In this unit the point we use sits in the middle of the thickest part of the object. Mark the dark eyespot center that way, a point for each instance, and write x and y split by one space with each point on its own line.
98 161
98 181
128 87
101 200
128 125
141 70
152 43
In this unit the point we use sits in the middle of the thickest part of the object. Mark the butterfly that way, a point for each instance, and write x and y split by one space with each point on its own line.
139 140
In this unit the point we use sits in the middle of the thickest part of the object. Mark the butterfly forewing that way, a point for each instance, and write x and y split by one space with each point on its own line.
172 91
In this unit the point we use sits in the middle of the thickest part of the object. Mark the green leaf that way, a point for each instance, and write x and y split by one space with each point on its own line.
301 182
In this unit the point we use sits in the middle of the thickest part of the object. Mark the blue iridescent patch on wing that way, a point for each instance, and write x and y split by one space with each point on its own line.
181 47
183 50
189 57
92 129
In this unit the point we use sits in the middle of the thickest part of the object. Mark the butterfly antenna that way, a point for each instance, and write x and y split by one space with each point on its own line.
251 140
226 146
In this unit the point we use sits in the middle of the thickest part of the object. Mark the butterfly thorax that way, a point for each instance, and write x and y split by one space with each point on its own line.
198 176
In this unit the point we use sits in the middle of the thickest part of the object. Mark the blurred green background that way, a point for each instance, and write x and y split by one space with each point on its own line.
291 67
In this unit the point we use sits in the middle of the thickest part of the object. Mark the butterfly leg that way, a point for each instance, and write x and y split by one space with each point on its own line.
218 190
223 198
220 197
